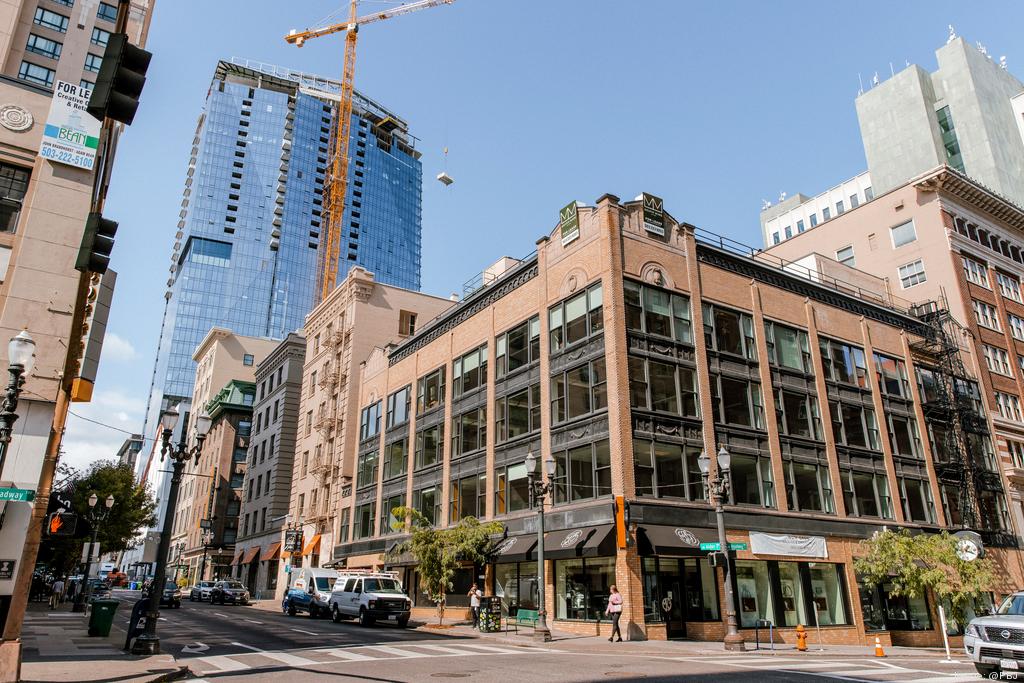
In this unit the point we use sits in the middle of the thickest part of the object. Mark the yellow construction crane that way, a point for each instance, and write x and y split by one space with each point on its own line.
336 182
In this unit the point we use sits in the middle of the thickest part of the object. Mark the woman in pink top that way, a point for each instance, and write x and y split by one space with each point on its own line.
614 610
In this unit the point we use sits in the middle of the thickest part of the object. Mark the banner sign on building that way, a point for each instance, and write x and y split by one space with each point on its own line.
569 221
71 135
293 541
787 544
654 214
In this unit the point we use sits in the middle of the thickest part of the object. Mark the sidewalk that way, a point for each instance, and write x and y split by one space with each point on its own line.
56 647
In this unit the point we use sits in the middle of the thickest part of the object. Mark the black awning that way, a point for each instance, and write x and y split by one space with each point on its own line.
591 541
669 540
517 548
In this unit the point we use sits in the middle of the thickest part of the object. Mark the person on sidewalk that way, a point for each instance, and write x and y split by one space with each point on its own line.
474 604
614 610
57 596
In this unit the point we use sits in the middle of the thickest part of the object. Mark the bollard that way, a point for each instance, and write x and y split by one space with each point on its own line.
801 638
879 652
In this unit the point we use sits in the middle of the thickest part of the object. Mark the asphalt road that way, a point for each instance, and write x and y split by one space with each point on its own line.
234 643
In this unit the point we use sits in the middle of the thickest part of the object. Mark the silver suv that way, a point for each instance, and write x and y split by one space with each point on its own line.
996 643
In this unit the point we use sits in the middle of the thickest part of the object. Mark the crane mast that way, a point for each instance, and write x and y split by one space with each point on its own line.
336 180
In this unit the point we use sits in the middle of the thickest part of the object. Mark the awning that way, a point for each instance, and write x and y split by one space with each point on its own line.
272 553
591 541
251 554
404 559
515 548
238 557
673 540
313 545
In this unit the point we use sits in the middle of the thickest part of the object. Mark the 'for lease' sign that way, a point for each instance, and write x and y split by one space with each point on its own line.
71 135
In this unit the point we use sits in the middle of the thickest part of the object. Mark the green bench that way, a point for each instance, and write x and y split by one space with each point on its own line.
525 617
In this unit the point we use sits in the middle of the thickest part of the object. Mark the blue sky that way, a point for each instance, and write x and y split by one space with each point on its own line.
714 106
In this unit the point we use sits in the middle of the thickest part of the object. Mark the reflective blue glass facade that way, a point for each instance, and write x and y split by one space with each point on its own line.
251 217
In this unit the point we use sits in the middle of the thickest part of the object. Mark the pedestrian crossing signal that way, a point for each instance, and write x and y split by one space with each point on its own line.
61 524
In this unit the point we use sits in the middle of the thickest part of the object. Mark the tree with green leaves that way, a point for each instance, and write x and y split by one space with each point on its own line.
133 510
914 564
440 552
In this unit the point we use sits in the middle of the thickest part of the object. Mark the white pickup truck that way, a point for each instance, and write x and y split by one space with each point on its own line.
370 598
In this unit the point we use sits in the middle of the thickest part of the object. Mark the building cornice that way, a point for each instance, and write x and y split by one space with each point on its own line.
955 184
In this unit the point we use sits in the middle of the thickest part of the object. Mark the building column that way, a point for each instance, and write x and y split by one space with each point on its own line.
821 388
882 422
768 398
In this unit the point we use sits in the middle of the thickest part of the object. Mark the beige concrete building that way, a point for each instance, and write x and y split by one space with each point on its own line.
359 315
942 235
43 209
622 349
210 493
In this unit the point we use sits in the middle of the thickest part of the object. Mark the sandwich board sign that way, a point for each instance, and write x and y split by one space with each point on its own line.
71 135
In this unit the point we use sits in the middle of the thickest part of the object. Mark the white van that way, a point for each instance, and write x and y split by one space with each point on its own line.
310 591
370 597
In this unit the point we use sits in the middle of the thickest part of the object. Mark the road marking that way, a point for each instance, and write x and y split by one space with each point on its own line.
443 648
224 663
252 621
283 657
342 653
222 615
308 633
500 650
394 651
198 647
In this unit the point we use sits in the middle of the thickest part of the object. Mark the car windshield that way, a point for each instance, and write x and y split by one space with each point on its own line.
1013 605
170 586
325 583
233 584
381 586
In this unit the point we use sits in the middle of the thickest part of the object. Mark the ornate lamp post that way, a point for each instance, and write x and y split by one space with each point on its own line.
148 643
538 491
207 542
21 356
96 517
717 487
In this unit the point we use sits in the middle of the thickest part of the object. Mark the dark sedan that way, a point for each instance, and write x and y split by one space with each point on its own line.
171 595
225 592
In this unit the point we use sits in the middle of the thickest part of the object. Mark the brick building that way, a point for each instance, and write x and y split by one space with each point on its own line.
623 348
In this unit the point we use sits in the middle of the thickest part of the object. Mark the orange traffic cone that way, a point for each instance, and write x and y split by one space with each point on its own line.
879 652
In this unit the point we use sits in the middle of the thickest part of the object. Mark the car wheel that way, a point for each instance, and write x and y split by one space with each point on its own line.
291 610
364 618
986 670
335 615
314 611
402 623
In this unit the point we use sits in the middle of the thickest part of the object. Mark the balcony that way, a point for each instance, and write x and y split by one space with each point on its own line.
325 422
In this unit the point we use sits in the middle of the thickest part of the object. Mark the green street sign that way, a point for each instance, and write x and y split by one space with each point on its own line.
24 495
718 546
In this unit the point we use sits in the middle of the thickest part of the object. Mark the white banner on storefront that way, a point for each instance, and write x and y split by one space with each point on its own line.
785 544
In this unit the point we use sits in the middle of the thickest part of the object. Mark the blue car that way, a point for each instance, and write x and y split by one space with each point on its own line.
310 592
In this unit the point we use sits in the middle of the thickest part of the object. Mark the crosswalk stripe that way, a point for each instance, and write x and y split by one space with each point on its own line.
283 657
948 678
444 649
224 663
500 650
397 652
343 653
809 665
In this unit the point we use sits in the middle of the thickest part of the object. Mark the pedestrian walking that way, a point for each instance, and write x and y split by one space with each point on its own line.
57 596
614 610
474 604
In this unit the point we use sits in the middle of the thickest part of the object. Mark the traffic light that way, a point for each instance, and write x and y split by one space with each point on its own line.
97 243
61 524
119 83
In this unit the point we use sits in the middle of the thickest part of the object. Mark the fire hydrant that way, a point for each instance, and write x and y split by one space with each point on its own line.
801 638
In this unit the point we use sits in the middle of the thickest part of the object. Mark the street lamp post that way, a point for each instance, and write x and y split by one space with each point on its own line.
148 643
207 542
21 356
538 491
96 516
717 487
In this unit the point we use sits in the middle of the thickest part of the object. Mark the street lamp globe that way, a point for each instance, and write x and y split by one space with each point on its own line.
549 466
203 423
704 462
21 350
531 463
93 500
109 502
724 459
169 420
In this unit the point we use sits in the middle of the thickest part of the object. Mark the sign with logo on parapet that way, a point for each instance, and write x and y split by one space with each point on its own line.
71 135
654 214
569 222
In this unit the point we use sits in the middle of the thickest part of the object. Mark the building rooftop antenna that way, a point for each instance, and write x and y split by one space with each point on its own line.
952 35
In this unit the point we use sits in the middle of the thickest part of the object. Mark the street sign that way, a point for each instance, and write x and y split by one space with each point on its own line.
718 546
24 495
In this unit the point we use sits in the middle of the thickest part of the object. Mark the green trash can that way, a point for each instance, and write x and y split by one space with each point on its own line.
102 617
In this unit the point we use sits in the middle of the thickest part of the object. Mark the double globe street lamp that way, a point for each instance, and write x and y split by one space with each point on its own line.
538 491
148 643
21 356
717 484
96 517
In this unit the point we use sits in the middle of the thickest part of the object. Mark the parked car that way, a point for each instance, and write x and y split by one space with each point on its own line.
310 592
370 598
201 591
996 643
171 595
98 588
224 592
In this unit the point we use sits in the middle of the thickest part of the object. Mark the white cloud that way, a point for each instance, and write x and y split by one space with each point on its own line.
118 348
86 441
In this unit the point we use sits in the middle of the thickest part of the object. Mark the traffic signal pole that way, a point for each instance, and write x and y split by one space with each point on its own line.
10 646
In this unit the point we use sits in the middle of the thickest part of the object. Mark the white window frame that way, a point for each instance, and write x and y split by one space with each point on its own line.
997 360
852 259
1016 326
920 271
892 233
976 272
1009 406
986 315
1009 286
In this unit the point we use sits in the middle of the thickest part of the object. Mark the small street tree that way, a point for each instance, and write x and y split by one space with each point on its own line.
439 552
915 564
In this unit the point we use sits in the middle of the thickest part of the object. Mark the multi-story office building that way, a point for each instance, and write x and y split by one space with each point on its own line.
968 113
251 219
210 498
341 332
267 487
128 453
946 236
623 349
43 208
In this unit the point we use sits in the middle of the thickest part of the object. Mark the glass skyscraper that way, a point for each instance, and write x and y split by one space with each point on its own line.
251 217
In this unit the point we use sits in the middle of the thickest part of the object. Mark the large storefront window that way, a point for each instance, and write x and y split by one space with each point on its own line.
791 593
679 588
516 584
582 588
882 610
